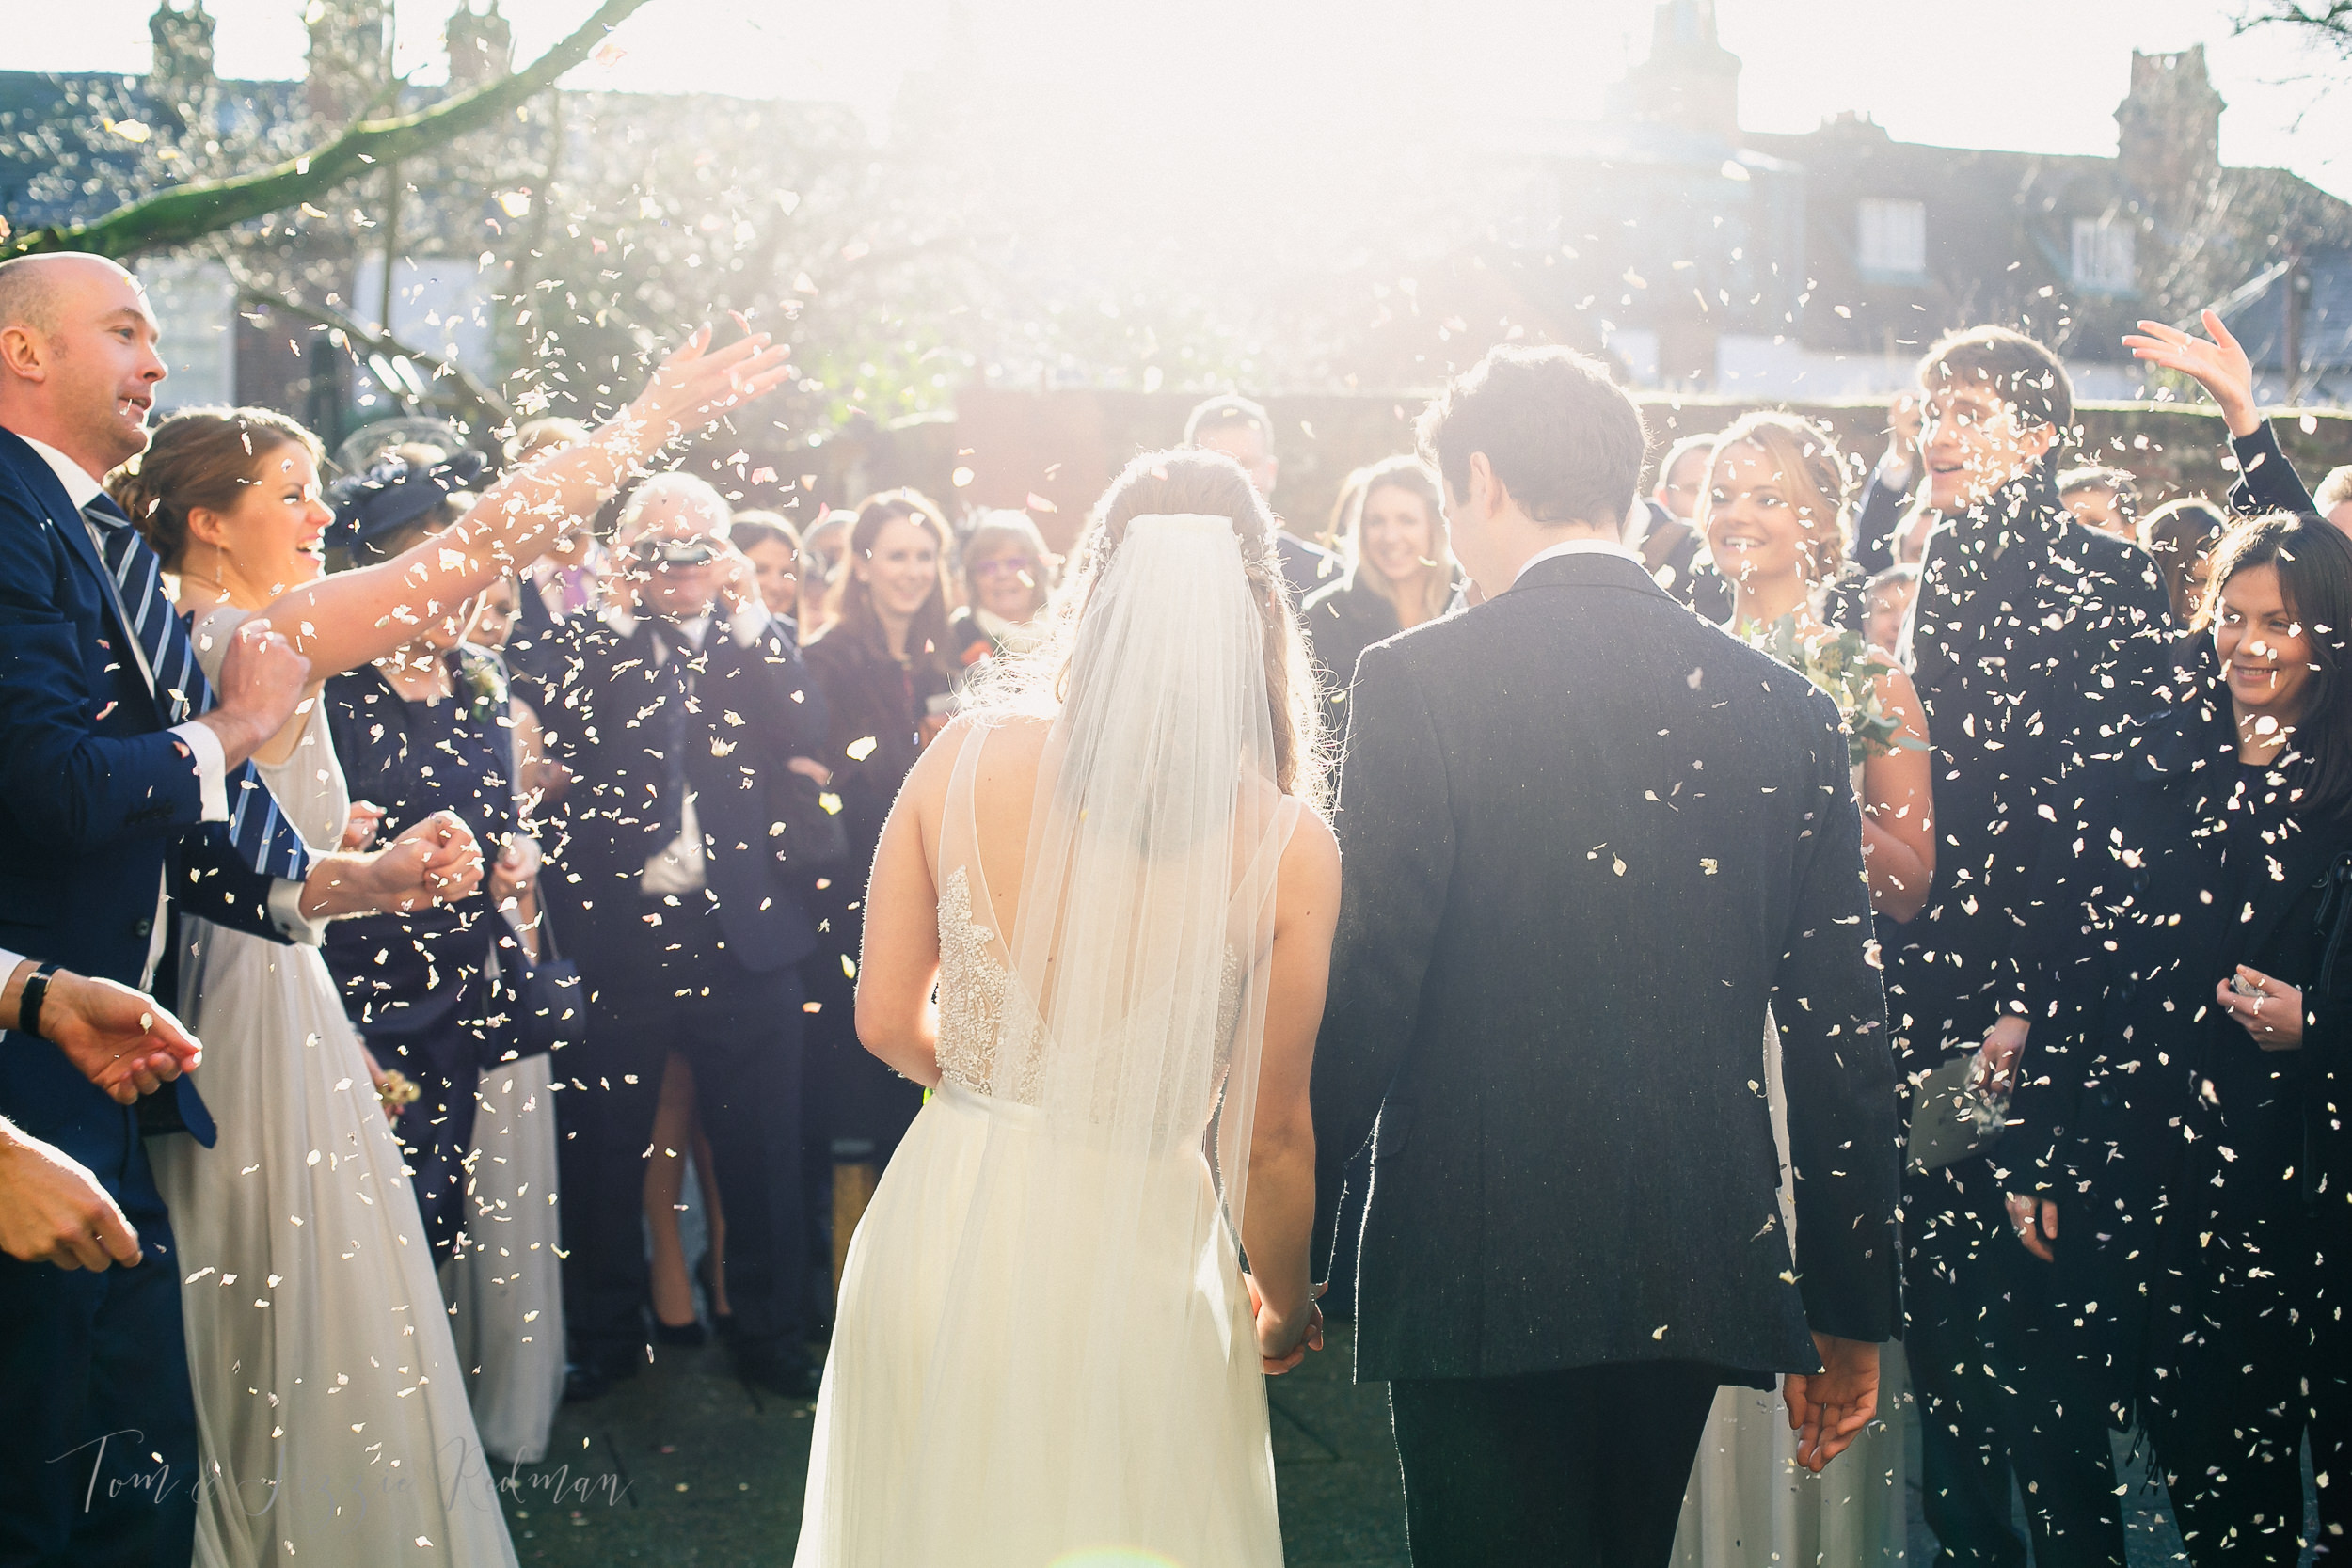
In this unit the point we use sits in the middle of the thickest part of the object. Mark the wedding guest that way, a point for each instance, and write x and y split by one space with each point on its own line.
1775 518
422 731
1670 545
2103 497
774 552
2333 498
564 582
887 676
1888 599
2177 1039
1009 579
2032 641
1343 509
1400 574
821 548
684 908
1242 431
118 767
2180 534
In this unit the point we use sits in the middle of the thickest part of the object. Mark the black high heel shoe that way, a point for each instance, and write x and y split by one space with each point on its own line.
706 1275
677 1336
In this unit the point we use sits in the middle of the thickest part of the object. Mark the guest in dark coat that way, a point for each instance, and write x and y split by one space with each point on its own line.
887 677
423 731
1670 546
1885 498
1007 582
2033 639
1243 431
685 720
1401 575
106 802
1575 880
2184 1023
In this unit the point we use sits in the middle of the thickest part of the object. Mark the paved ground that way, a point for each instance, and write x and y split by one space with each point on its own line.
685 1464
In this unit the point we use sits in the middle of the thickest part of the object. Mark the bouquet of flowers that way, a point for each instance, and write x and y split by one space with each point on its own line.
1843 664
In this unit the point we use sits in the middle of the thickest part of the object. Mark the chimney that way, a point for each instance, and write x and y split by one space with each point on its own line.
351 55
480 46
1690 81
183 33
2169 130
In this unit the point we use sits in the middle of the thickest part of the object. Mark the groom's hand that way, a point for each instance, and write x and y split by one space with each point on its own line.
1828 1409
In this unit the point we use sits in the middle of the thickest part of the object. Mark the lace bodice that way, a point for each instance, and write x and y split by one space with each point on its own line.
987 1051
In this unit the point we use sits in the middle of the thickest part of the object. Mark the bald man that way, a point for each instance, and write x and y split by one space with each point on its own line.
118 773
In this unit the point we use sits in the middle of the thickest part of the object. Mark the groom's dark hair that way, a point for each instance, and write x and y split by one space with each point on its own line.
1564 439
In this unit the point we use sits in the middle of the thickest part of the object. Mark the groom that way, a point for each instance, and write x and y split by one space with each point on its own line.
1588 839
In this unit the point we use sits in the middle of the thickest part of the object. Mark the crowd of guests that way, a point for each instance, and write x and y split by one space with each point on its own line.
511 865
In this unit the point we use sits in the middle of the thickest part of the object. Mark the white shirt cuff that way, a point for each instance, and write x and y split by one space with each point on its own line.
211 769
748 623
7 964
285 907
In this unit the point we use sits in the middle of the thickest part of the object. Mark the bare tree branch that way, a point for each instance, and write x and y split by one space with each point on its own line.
188 213
488 409
2328 21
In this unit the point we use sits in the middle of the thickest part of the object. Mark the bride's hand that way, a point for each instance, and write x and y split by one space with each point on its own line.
1283 1342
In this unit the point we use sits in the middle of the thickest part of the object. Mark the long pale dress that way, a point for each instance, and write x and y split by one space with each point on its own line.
330 1405
903 1472
1750 1504
504 1286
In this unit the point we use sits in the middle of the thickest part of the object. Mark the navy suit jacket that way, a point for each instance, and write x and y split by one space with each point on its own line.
755 708
97 801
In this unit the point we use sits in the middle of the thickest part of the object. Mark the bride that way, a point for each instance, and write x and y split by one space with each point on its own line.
1113 869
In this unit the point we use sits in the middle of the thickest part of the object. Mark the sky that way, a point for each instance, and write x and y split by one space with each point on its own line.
2039 75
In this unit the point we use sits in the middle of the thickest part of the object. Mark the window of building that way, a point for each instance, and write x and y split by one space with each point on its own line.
2103 254
1892 238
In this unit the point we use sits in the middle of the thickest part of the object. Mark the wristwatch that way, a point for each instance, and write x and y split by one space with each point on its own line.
28 1002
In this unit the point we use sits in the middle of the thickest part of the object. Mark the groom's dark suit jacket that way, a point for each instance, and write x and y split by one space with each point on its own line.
1586 839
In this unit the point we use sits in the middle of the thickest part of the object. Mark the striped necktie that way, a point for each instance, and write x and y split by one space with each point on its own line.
261 834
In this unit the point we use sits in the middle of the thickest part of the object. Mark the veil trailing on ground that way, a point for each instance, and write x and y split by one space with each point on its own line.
1123 1084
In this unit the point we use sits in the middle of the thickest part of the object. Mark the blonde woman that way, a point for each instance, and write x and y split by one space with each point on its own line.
1774 514
1399 575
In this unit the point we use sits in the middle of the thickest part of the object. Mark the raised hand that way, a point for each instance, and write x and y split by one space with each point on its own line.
359 827
122 1040
1828 1409
53 1210
2219 366
698 383
517 871
262 678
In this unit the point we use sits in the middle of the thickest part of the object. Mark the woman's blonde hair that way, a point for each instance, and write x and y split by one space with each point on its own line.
1812 469
1208 483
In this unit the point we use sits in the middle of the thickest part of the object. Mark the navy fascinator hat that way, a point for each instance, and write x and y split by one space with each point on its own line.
372 506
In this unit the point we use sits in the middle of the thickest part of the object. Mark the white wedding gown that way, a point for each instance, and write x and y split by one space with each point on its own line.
947 1333
330 1405
1750 1504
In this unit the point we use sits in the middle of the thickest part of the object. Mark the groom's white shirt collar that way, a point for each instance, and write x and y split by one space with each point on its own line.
1577 546
80 486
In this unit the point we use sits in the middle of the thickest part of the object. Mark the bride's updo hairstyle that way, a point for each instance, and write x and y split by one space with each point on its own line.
1210 484
200 457
1812 471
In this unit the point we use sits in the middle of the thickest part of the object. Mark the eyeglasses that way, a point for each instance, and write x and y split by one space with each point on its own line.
1003 566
